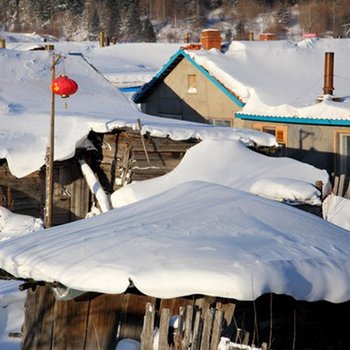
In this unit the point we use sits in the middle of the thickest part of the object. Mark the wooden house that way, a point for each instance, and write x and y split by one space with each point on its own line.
249 86
116 158
206 284
184 89
318 134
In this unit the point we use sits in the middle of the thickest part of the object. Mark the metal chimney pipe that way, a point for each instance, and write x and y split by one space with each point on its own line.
328 73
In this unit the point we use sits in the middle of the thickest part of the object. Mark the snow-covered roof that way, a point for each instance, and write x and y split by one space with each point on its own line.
230 163
124 64
279 78
284 78
197 237
25 100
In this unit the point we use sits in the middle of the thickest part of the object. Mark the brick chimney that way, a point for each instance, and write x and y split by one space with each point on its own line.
210 38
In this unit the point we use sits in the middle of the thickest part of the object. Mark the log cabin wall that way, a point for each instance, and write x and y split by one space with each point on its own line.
27 195
124 159
23 196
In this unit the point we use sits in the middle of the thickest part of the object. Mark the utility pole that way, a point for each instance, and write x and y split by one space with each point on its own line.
50 151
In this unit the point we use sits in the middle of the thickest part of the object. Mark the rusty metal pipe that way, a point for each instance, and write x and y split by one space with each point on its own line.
328 73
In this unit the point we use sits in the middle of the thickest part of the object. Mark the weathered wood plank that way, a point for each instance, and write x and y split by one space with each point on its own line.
335 185
70 323
131 317
216 331
187 338
228 310
164 329
178 333
197 330
208 323
103 320
341 185
174 304
148 328
347 193
39 319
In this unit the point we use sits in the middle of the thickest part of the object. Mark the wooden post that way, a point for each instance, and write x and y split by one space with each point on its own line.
186 341
148 327
179 330
102 39
164 329
197 328
341 185
49 47
126 165
216 331
208 322
143 140
50 152
251 36
2 44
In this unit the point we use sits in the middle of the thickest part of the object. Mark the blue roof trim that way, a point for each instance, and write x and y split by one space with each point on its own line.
293 120
144 88
129 89
171 60
214 81
138 95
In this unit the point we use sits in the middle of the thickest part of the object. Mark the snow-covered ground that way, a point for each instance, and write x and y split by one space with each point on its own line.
11 314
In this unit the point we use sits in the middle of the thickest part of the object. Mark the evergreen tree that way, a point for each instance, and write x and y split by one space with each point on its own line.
148 34
42 9
196 17
240 30
76 6
132 26
110 18
283 15
94 26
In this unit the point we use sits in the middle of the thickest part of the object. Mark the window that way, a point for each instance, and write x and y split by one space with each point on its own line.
191 84
280 132
343 152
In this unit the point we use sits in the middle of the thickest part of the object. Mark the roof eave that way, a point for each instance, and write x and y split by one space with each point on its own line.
293 120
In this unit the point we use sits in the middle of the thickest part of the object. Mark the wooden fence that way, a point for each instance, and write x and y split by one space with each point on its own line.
196 329
341 186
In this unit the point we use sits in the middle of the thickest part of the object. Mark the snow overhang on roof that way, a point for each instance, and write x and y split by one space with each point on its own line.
196 238
145 90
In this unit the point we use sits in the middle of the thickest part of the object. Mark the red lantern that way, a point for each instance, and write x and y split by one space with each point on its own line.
64 86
